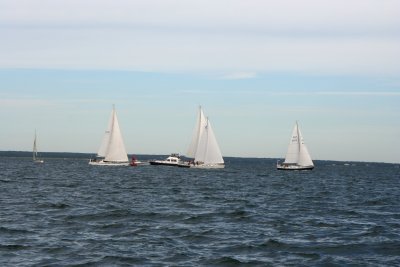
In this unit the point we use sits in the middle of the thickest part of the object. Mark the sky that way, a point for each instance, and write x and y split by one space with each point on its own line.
256 67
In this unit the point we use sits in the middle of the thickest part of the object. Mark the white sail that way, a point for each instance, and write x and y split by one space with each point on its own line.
204 146
292 154
208 150
304 155
106 138
200 124
297 152
112 147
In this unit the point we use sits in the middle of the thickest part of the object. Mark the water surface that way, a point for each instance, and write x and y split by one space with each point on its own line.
65 212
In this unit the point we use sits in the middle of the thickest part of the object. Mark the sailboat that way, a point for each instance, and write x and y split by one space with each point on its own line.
297 156
35 157
204 148
112 150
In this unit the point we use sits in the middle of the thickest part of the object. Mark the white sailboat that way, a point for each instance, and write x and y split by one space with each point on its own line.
35 157
297 156
112 150
204 147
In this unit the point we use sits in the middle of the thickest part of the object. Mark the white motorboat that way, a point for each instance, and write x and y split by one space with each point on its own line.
172 160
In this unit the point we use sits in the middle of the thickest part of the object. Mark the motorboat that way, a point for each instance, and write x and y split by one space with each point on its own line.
173 160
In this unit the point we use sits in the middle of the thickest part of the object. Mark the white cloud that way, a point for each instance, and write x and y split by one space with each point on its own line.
25 103
337 93
239 76
255 14
357 37
359 93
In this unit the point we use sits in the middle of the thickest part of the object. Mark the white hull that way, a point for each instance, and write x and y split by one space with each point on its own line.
106 163
209 166
172 160
38 161
202 166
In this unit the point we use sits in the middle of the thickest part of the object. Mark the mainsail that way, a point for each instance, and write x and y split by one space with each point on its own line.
112 147
297 152
198 129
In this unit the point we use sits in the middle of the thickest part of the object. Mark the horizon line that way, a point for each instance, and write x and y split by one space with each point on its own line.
250 157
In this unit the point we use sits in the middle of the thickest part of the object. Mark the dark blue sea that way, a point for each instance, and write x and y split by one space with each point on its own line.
67 213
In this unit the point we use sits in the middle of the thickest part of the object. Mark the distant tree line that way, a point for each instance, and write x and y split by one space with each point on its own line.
24 154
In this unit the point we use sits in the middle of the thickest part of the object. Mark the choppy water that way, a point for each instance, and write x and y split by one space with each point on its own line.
66 212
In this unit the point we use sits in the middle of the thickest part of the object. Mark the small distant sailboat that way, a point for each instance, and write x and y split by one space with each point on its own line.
204 148
112 150
297 156
36 159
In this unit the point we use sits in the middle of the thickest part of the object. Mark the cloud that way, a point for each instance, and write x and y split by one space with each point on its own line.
358 93
25 103
257 15
226 36
239 76
338 93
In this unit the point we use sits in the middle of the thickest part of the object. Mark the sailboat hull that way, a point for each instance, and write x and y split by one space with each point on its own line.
108 163
209 166
294 167
202 166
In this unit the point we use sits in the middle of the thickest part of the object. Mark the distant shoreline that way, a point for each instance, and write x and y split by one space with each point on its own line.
25 154
79 155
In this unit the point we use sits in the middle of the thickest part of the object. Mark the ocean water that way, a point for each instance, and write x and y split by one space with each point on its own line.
67 213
